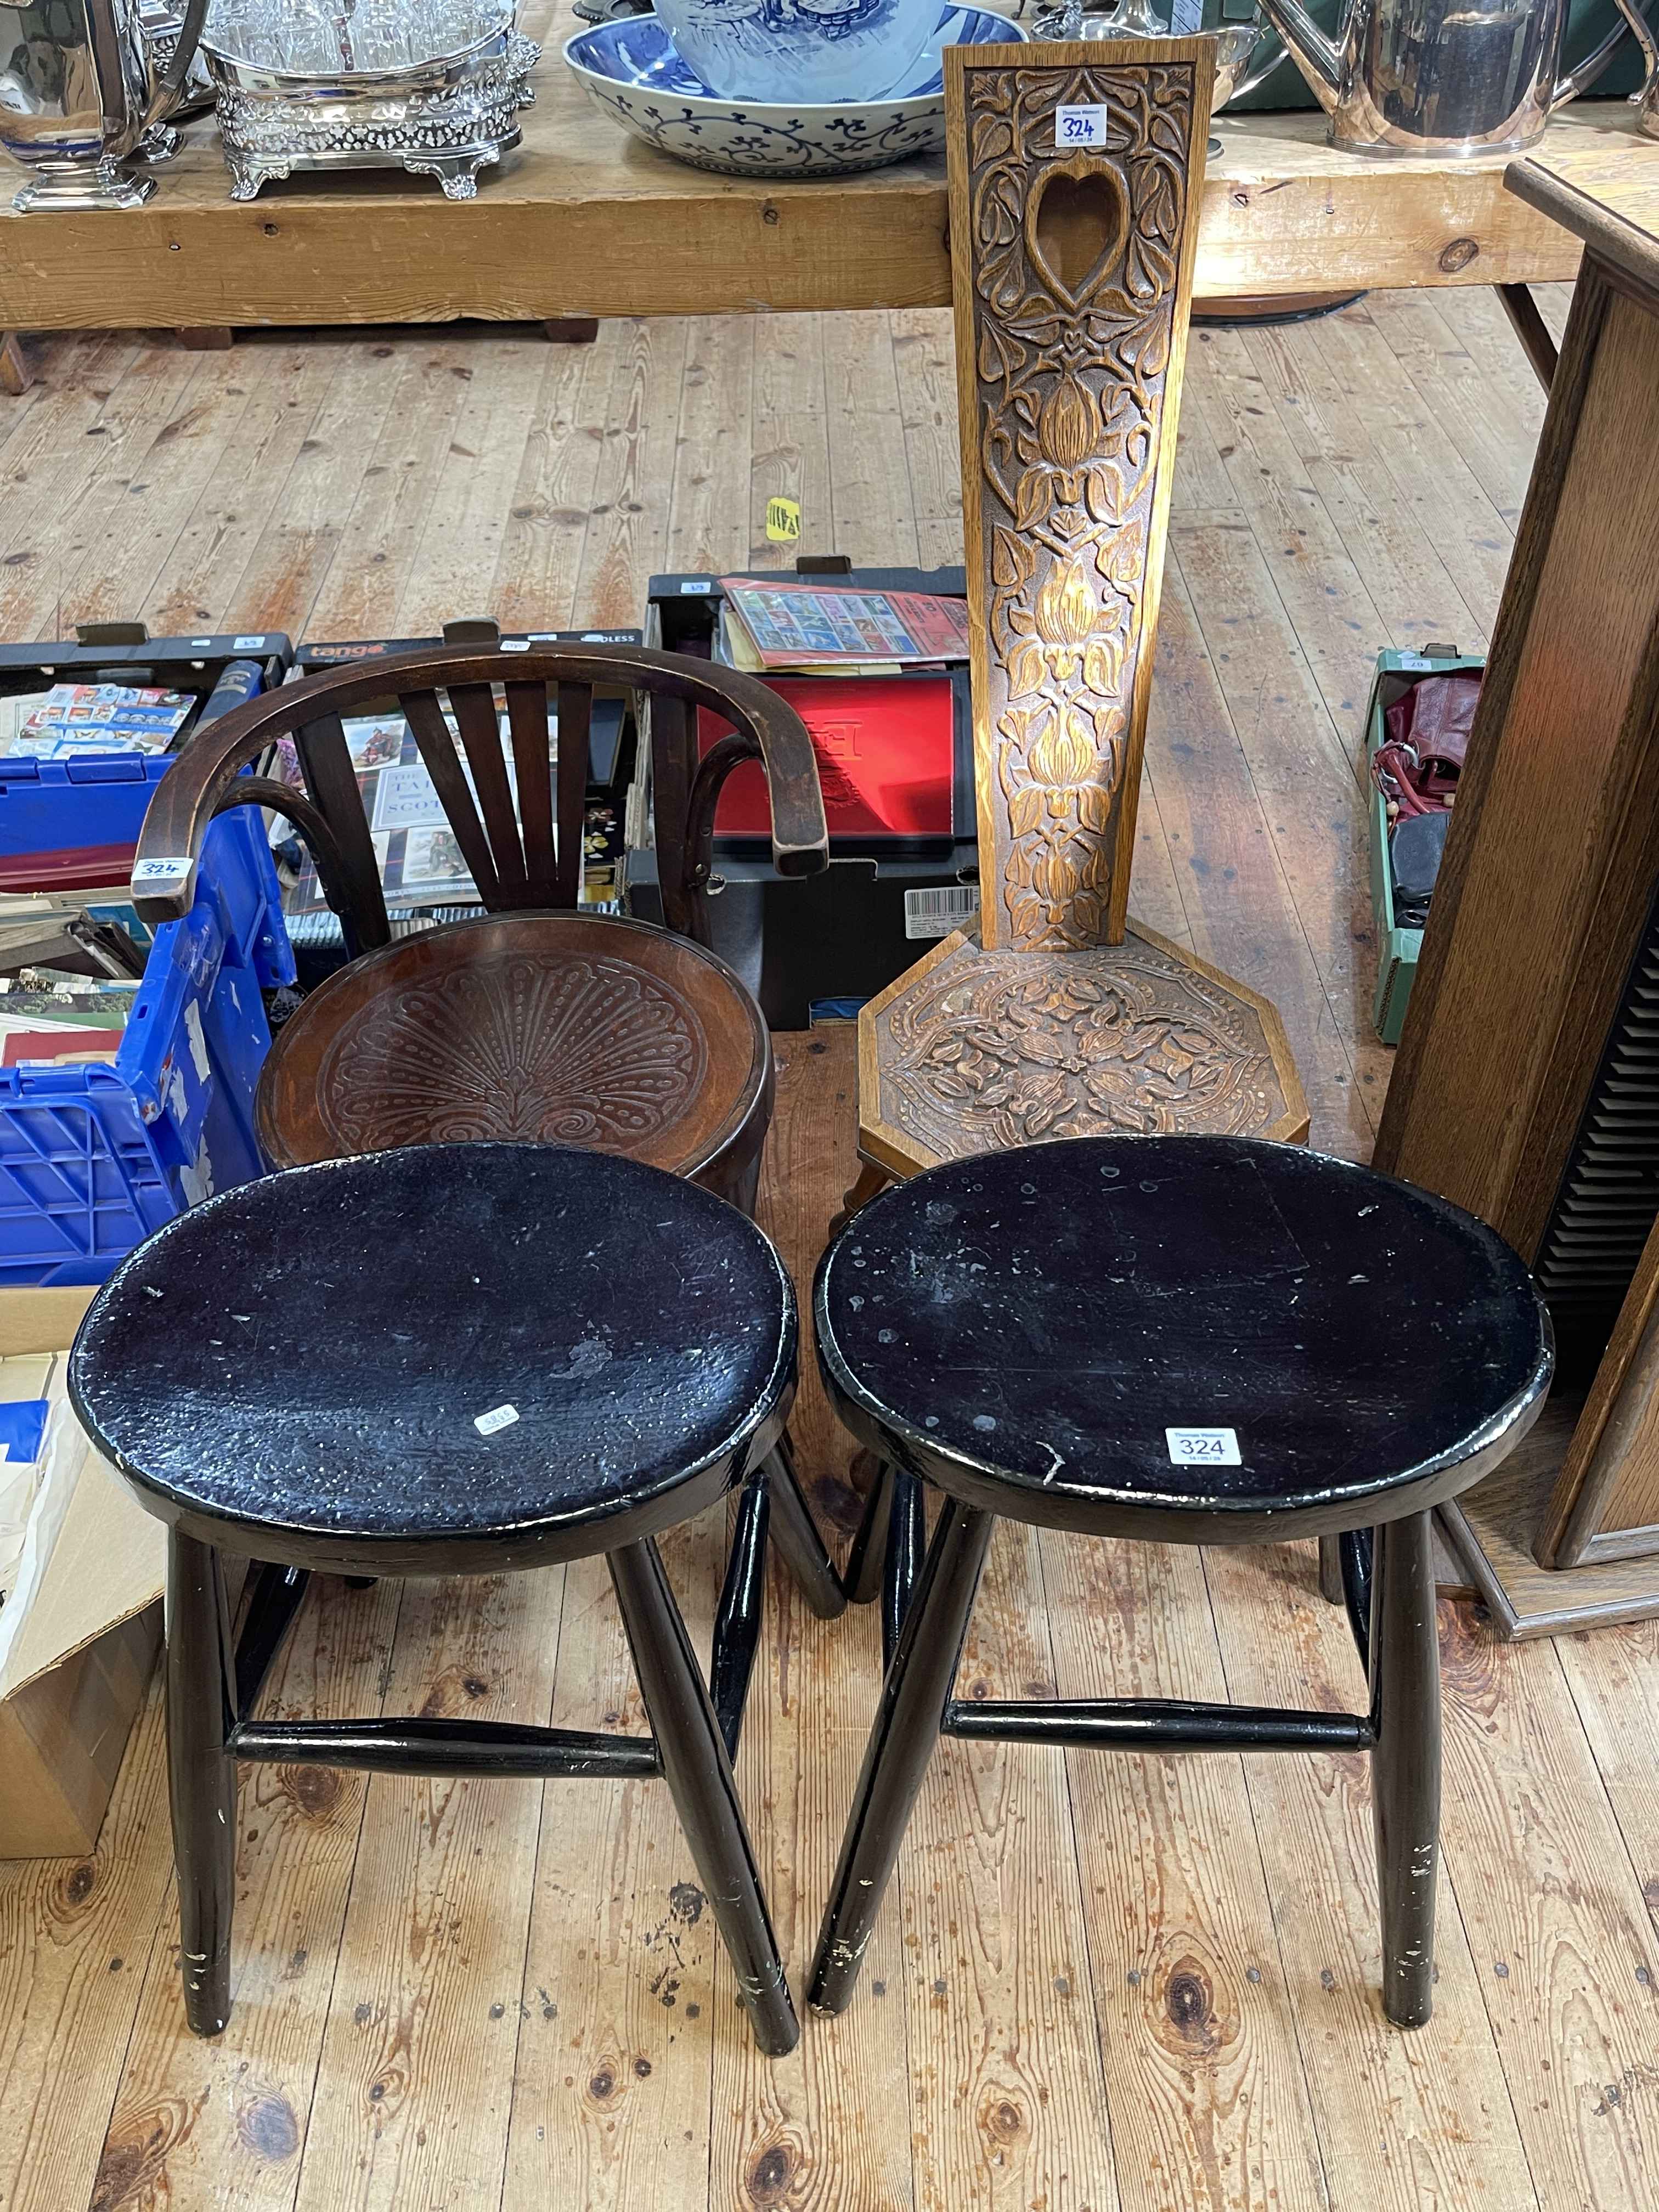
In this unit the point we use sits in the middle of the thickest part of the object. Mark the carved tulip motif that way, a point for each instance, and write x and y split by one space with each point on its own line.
1071 395
1066 428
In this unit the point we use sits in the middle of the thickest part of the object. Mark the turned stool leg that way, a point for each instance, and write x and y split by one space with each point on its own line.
862 1580
885 1559
201 1775
795 1533
907 1725
907 1546
871 1182
738 1615
1330 1569
699 1778
274 1600
1404 1665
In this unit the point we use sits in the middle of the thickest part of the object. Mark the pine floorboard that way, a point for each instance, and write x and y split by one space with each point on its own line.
1099 1985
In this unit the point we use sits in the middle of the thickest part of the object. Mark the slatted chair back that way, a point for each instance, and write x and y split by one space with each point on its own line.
526 855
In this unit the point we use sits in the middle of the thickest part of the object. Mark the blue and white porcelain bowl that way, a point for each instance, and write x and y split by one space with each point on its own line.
633 72
784 50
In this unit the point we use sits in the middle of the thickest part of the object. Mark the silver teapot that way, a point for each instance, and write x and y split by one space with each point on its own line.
1236 43
1448 78
1645 102
85 85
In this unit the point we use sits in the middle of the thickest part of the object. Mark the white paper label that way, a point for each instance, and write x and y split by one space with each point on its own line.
248 644
515 644
937 909
694 584
147 873
1079 127
501 1417
1186 16
1203 1447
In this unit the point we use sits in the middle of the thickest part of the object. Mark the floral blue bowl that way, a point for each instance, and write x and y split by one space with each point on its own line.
633 72
814 50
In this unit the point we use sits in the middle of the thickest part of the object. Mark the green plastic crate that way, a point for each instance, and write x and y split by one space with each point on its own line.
1397 949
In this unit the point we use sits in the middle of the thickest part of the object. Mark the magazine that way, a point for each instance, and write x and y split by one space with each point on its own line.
69 1020
812 628
420 860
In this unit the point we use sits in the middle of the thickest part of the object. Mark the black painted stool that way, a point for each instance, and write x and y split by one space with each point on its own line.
454 1359
1189 1340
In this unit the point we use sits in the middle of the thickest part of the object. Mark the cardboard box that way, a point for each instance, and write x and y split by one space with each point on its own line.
1397 949
80 1631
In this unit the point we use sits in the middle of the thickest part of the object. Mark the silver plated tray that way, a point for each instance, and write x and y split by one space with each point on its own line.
447 119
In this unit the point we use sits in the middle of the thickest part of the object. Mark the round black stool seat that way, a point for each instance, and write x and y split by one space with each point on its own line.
525 1353
1040 1333
1193 1339
454 1359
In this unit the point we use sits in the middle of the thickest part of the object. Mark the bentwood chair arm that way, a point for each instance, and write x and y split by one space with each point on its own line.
716 764
311 825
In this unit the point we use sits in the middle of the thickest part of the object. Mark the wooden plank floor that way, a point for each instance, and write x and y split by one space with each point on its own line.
1101 1985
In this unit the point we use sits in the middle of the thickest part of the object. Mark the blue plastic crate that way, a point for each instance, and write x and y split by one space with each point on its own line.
86 805
93 1159
71 824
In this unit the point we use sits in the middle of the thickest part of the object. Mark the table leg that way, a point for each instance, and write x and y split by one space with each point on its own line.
1531 329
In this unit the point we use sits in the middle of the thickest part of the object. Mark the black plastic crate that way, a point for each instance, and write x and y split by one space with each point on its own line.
847 933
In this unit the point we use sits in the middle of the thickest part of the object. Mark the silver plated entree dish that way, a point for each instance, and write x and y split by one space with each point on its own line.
282 109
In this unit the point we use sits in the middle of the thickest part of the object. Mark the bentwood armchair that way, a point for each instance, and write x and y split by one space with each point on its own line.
535 1021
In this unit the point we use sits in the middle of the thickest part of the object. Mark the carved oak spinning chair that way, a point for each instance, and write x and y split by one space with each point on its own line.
1075 175
535 1022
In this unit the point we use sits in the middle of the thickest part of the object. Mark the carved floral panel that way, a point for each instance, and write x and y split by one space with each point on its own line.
996 1048
1072 271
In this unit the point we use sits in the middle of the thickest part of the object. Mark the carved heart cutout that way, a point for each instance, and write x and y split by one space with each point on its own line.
1074 226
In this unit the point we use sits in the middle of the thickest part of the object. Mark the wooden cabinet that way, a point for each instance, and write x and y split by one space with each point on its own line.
1525 1087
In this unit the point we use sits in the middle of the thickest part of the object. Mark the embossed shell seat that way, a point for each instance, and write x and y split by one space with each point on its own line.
536 1022
528 1028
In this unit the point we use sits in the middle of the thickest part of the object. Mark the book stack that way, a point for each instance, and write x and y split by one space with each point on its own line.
869 673
47 1015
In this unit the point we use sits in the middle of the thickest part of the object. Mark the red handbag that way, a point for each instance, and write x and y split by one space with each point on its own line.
1417 766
